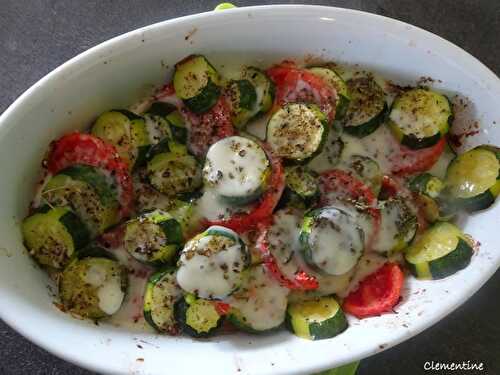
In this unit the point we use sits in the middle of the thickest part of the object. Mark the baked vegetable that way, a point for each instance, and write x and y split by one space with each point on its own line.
153 238
260 304
196 82
419 118
332 240
367 108
379 292
211 264
297 132
317 319
162 292
93 287
398 226
174 171
301 189
367 170
440 252
435 205
237 169
52 235
264 89
89 192
126 131
197 317
78 148
473 178
333 79
242 98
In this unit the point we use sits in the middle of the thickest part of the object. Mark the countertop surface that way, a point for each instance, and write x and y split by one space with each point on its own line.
38 35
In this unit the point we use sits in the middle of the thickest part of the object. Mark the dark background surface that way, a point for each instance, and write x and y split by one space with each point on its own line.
36 36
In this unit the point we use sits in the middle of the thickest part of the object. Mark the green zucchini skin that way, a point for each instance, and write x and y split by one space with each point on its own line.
91 195
264 89
173 121
345 227
302 319
367 109
237 169
439 265
172 170
330 76
235 319
285 125
125 130
418 106
463 172
301 190
188 305
242 97
153 238
79 292
162 289
53 235
196 83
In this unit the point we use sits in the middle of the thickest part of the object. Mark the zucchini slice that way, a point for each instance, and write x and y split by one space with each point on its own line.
242 98
211 264
174 171
367 108
196 83
91 195
427 184
197 317
317 319
169 122
398 226
473 178
440 252
333 79
153 238
297 131
368 171
93 287
302 189
420 117
162 292
125 130
429 194
237 169
332 240
260 304
264 89
52 235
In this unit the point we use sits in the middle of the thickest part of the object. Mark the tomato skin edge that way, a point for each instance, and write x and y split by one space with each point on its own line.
353 302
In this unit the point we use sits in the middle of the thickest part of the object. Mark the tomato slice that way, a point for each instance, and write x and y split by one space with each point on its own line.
406 161
345 187
263 209
299 85
377 293
204 129
222 308
301 280
80 148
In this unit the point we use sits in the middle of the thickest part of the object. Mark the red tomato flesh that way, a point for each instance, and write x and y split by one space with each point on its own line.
377 293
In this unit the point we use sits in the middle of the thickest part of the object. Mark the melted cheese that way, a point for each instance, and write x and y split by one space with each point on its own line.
336 241
261 300
235 167
108 287
210 266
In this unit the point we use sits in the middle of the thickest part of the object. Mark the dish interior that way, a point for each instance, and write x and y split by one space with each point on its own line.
123 70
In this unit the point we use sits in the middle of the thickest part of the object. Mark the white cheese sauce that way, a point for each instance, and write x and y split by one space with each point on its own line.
211 266
235 167
261 300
